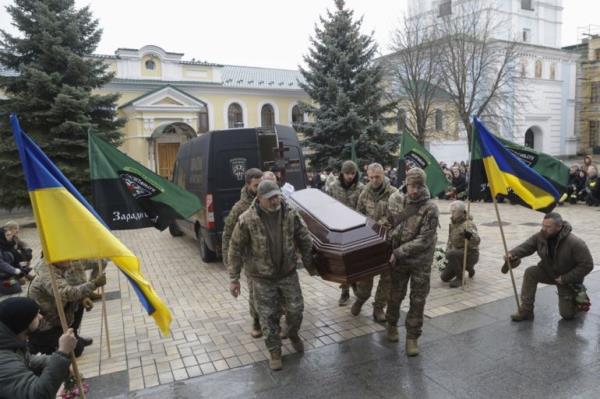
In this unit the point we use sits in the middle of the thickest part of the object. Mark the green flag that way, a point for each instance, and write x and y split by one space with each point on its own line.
127 195
415 154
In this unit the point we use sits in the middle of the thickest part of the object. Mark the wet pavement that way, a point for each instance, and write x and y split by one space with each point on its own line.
475 353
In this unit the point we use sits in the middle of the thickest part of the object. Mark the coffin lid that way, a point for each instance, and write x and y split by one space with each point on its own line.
333 214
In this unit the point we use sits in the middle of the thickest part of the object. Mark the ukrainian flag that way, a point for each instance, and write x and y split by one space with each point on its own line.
507 172
70 229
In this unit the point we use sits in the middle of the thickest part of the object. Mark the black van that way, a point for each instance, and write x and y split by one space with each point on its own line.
212 166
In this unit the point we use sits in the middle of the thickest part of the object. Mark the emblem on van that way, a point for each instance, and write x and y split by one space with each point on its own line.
238 167
137 185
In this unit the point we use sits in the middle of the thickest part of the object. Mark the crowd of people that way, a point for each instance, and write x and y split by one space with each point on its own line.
583 184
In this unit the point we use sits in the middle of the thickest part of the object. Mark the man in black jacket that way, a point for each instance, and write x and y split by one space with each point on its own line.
22 375
564 260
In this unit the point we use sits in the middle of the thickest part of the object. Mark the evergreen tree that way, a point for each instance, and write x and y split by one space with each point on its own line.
52 91
345 85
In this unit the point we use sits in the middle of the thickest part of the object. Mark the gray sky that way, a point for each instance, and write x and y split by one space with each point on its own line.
270 33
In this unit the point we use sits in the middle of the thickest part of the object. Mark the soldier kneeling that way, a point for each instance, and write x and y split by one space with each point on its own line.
461 229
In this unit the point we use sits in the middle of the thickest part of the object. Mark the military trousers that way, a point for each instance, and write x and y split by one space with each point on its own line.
365 286
566 296
418 276
252 308
268 296
455 263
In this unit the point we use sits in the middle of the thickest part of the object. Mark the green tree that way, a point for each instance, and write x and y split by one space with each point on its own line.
50 82
346 87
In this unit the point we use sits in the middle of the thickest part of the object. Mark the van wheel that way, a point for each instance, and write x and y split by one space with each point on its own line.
206 254
174 230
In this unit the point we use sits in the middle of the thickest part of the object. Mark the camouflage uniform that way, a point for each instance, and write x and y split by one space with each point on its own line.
374 205
45 339
455 249
349 197
246 200
75 274
249 247
413 240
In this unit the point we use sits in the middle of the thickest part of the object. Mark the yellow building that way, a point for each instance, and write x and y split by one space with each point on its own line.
589 116
167 100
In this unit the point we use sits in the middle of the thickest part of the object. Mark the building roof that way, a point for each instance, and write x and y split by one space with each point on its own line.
260 78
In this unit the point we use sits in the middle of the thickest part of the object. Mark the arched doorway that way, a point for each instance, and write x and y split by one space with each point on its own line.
166 140
534 138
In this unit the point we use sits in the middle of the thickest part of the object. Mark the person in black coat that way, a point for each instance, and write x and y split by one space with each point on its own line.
13 269
575 186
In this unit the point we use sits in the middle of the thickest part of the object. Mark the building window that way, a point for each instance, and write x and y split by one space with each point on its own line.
439 120
445 8
552 71
527 5
526 35
538 69
523 70
297 115
267 116
597 54
150 65
595 96
235 116
203 121
594 133
401 121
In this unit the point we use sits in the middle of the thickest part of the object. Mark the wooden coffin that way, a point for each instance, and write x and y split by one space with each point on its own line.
349 245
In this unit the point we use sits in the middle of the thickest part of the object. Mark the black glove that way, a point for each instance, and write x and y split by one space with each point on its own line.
468 235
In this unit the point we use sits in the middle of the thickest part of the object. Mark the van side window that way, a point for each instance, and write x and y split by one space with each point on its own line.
179 175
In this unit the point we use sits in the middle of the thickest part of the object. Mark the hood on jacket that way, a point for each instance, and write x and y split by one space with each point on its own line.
565 231
9 340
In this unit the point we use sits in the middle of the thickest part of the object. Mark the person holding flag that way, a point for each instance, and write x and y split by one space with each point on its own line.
565 260
70 229
45 338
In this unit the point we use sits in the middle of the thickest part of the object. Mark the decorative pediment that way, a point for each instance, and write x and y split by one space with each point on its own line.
168 101
166 98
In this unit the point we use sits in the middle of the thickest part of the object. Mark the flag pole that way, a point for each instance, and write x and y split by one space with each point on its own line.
466 246
512 276
65 327
104 316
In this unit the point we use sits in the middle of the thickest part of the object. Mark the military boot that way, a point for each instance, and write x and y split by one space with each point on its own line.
256 331
345 297
471 271
522 315
356 307
275 361
378 315
455 283
412 347
297 343
392 333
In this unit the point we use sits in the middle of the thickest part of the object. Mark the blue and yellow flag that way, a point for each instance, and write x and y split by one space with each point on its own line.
507 173
70 229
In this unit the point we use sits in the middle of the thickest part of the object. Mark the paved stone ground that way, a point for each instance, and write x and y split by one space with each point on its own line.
474 353
210 328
